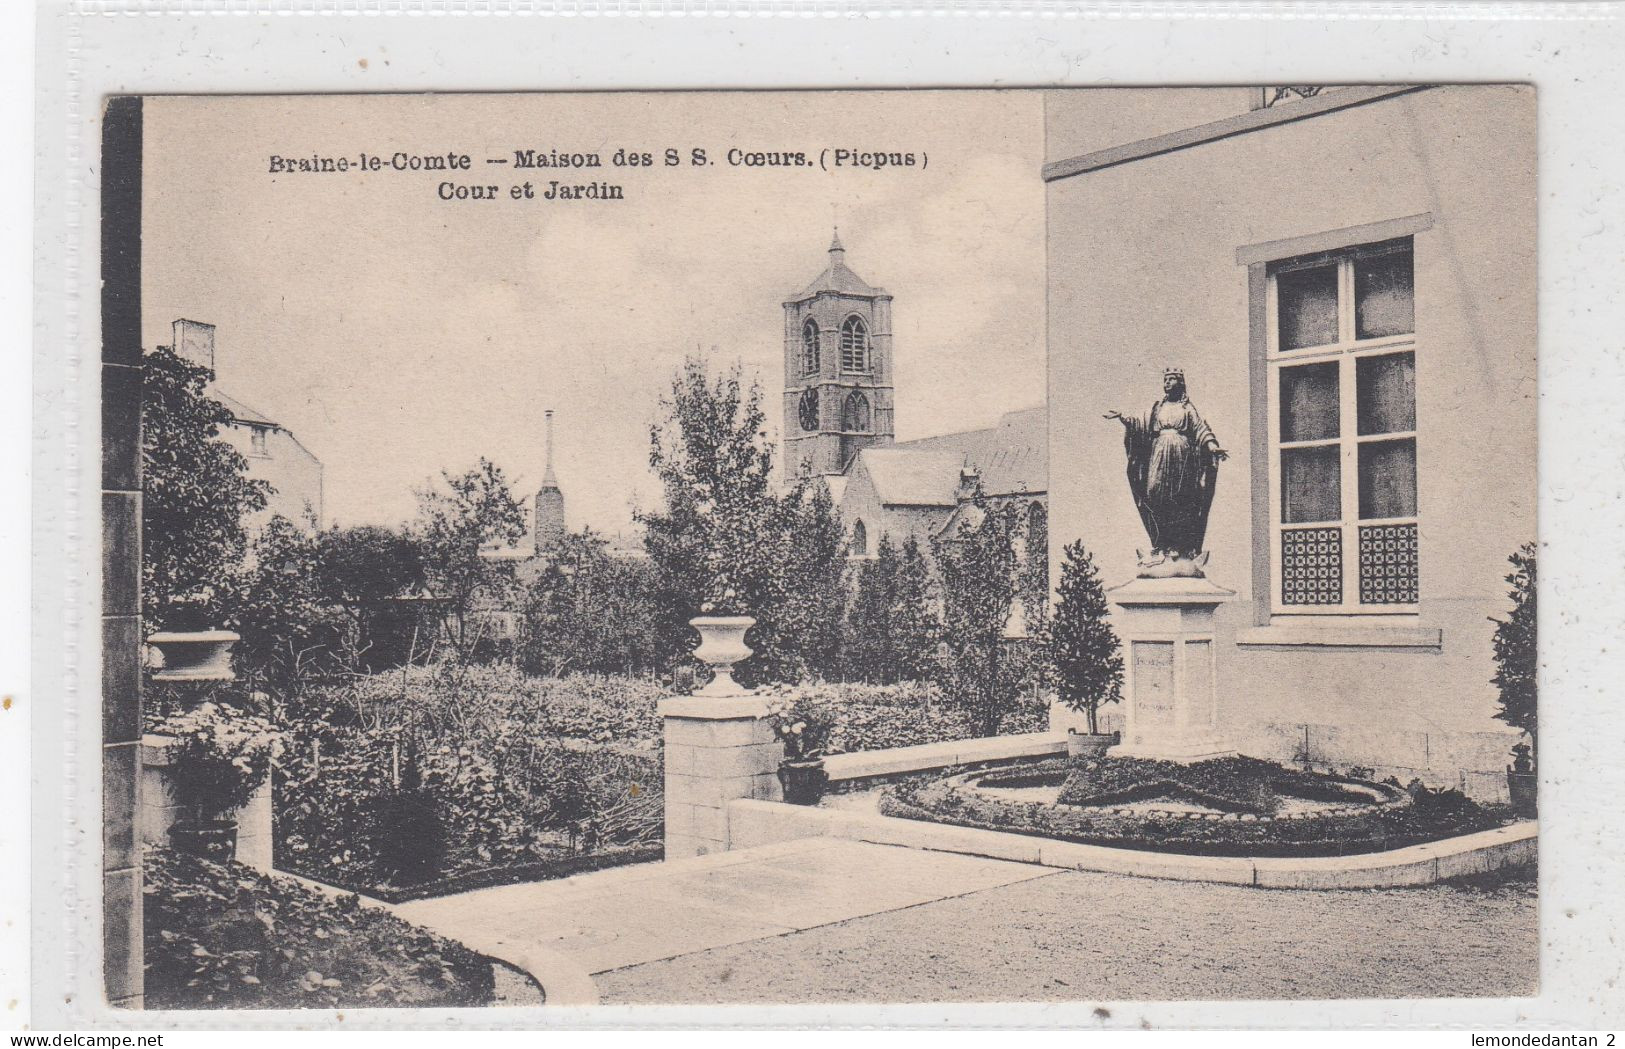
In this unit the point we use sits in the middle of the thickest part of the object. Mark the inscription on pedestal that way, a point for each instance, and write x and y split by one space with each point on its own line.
1154 684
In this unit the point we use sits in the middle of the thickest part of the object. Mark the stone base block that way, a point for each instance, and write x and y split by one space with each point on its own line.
1174 749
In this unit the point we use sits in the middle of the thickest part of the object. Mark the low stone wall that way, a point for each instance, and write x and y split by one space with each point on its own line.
753 823
159 811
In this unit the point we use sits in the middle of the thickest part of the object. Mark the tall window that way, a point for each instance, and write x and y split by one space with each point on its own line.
1342 363
809 347
854 345
256 440
855 416
860 541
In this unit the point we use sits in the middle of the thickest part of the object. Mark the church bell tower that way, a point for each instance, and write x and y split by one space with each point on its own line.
837 370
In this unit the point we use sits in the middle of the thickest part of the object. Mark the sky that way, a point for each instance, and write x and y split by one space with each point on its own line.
397 334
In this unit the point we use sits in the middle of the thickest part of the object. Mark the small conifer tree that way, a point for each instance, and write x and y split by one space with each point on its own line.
1082 649
1516 658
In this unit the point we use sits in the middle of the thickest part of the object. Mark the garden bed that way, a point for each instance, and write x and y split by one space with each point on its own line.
1224 807
225 936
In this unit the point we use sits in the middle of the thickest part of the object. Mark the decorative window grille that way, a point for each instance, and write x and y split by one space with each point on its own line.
809 348
854 345
1342 362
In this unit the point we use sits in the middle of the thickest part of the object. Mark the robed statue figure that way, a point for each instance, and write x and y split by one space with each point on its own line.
1173 464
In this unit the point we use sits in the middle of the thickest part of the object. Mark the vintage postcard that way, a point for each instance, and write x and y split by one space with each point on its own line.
819 547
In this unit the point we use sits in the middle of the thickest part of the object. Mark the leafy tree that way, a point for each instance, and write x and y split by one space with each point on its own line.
1033 583
289 629
1516 658
716 471
361 570
195 494
892 628
984 672
589 611
458 518
1080 647
811 596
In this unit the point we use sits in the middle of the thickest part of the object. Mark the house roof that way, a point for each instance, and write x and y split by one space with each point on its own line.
239 411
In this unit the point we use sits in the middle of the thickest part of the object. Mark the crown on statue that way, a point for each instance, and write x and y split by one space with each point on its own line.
1178 373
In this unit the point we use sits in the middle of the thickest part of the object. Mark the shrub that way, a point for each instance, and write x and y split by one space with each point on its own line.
220 757
1084 657
1516 655
907 714
228 937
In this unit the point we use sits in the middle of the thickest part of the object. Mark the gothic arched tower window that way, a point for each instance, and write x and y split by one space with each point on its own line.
855 416
809 347
860 540
854 345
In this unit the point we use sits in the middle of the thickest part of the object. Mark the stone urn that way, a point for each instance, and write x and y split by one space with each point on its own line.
722 644
194 655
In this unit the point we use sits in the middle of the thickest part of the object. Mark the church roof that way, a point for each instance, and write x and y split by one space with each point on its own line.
913 477
1012 457
837 277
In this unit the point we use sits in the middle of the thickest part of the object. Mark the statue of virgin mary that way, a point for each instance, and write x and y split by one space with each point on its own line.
1173 465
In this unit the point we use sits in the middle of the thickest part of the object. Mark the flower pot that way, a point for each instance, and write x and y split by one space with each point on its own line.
722 644
209 839
1521 790
803 781
194 655
1090 744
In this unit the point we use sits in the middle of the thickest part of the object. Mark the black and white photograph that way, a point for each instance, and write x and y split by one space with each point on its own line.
819 547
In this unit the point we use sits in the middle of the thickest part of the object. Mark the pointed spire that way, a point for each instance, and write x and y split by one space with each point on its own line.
548 478
836 252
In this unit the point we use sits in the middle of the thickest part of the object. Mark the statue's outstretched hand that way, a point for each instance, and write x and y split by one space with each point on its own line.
1220 454
1112 415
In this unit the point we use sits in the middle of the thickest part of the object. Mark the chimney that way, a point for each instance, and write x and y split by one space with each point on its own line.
194 342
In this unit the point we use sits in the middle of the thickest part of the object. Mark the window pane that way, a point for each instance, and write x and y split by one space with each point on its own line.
1309 402
1311 566
1388 479
1384 303
1308 307
1311 485
1386 391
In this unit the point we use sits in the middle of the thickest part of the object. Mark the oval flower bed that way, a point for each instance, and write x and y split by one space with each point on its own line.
1224 807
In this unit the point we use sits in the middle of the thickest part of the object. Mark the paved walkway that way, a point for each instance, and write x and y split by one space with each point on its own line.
563 931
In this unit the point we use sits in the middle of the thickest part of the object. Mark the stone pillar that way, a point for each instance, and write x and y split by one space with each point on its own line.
717 749
1171 707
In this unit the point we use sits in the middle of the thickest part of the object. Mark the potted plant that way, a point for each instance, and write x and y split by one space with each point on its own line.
804 733
1081 651
218 758
1516 662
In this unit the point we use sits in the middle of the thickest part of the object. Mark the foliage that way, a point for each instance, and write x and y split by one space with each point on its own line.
276 603
984 672
195 493
424 774
361 572
1517 658
801 726
1032 574
1081 650
907 714
220 757
457 518
588 611
1422 815
726 543
892 627
227 936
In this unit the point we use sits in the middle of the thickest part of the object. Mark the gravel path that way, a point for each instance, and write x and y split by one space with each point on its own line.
1083 936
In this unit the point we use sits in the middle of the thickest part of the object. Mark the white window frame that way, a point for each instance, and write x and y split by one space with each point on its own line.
1347 351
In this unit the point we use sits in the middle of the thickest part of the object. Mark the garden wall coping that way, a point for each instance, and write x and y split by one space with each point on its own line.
752 823
866 763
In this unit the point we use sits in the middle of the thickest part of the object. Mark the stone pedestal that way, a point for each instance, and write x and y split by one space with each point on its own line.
158 811
1170 704
717 749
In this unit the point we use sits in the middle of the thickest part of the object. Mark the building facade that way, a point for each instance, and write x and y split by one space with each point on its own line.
274 454
1347 279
